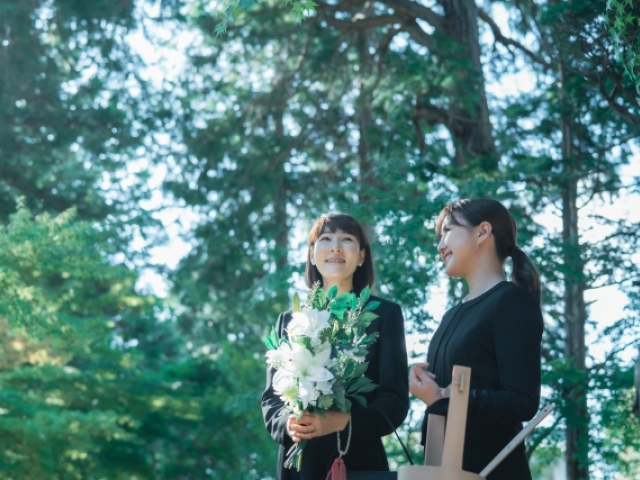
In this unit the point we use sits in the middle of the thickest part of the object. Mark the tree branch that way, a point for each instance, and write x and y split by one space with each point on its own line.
414 9
417 33
499 37
379 21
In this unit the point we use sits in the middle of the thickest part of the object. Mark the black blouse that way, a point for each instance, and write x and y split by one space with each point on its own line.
387 359
498 334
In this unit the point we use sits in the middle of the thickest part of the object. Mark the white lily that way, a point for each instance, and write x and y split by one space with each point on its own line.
307 369
309 322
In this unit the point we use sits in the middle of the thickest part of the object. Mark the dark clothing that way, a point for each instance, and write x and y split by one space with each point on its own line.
498 335
387 359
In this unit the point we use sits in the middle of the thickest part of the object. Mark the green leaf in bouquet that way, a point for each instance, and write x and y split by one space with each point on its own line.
348 371
296 303
325 402
371 306
319 299
369 339
338 311
361 400
333 291
362 384
360 368
347 404
305 342
272 341
366 318
340 305
353 303
312 294
364 295
339 397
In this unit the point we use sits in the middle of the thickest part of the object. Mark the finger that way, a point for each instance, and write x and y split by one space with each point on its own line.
415 372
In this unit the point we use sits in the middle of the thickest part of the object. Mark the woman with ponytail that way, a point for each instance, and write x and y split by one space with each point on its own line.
496 330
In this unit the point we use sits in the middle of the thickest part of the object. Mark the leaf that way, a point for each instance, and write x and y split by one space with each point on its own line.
371 306
320 299
362 384
339 397
333 291
366 318
272 341
360 368
361 400
296 303
364 295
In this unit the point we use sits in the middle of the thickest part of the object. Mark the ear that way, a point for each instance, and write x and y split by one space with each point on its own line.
363 255
484 231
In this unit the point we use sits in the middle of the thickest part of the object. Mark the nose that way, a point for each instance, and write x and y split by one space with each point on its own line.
441 244
336 245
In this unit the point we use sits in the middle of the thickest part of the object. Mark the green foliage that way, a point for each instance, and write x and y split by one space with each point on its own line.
326 115
623 17
93 387
69 114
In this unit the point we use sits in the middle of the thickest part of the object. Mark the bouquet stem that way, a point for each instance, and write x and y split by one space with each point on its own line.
294 459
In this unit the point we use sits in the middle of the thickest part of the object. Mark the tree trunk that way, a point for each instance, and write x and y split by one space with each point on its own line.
575 316
467 120
281 220
469 124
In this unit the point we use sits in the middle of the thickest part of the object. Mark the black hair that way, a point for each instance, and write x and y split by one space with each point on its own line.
330 222
471 212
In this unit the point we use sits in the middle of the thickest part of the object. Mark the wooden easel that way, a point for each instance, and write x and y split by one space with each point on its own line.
443 450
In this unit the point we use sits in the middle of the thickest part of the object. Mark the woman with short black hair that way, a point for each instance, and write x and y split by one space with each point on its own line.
339 254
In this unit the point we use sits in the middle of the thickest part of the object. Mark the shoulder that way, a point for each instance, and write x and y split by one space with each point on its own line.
516 305
511 294
386 307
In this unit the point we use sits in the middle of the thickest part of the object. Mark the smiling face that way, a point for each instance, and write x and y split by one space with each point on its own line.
337 255
458 248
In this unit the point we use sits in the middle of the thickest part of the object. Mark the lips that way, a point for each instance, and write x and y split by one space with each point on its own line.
334 260
446 256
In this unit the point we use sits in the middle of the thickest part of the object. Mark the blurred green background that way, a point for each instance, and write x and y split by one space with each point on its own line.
162 160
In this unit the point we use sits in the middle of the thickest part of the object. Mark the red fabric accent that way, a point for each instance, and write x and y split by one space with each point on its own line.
338 470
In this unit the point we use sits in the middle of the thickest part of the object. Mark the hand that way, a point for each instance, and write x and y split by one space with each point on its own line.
295 429
423 384
311 426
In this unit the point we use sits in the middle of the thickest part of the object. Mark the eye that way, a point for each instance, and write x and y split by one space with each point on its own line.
324 238
347 239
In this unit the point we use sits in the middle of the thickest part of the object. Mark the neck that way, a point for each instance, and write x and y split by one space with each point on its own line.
344 286
483 280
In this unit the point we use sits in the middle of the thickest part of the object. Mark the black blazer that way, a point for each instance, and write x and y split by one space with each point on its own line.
498 335
387 359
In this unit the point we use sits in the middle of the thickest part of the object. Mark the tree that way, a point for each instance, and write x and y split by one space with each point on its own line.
71 119
386 102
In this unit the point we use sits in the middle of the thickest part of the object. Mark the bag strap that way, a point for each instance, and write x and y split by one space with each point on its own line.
406 452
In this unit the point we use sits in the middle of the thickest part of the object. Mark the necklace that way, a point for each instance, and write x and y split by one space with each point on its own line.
483 292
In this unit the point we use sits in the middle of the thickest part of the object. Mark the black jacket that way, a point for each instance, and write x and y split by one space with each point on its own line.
498 335
387 359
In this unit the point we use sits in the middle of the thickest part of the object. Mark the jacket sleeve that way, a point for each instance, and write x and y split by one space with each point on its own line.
275 423
392 394
517 333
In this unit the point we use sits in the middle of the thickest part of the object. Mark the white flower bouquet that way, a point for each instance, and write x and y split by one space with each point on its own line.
320 365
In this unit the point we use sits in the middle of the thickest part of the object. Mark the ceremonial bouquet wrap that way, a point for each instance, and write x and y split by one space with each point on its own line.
320 364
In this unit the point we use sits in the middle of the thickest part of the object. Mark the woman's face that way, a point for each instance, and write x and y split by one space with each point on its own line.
336 256
457 248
